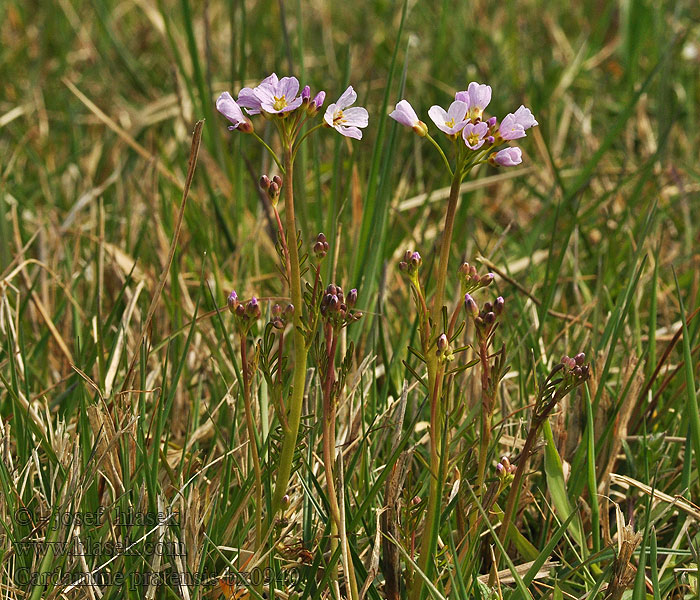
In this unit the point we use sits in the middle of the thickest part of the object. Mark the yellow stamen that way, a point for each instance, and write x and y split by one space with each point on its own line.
280 102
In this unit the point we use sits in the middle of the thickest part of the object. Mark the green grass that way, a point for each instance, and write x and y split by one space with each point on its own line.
594 242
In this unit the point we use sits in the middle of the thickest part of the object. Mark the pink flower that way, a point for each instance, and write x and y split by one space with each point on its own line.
474 134
451 121
477 96
514 125
406 116
227 106
278 96
508 157
248 99
347 120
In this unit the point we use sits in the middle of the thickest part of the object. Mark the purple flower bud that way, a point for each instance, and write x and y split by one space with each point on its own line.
487 279
332 289
499 468
580 358
319 99
306 93
498 305
265 182
490 140
470 306
489 318
488 307
252 309
416 260
508 157
442 343
240 310
492 122
333 302
273 191
232 301
352 297
278 180
276 310
289 310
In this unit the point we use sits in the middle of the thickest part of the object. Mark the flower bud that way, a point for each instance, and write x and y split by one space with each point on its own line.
486 279
580 358
265 182
471 306
232 301
492 122
278 180
489 318
352 297
442 343
498 305
416 260
305 94
289 310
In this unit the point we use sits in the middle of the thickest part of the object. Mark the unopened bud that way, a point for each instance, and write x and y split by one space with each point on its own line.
442 343
289 310
352 297
305 94
470 306
580 358
265 182
498 305
489 318
232 301
278 180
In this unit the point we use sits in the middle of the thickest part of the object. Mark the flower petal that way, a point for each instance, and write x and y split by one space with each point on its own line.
356 116
348 97
351 132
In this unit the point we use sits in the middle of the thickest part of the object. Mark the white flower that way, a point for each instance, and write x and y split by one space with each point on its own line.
347 120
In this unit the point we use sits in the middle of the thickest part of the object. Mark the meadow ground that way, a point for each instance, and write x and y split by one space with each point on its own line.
123 396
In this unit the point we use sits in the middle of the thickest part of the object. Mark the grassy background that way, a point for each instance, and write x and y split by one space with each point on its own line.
586 237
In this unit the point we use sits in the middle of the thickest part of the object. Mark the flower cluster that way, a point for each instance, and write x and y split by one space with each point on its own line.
484 319
505 468
272 187
280 316
335 308
321 246
280 98
245 313
411 263
575 369
470 279
465 118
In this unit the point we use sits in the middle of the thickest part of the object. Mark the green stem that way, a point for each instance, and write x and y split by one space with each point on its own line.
303 137
444 158
435 381
446 242
271 151
300 351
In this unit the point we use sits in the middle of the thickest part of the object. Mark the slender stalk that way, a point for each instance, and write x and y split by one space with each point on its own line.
329 417
300 351
486 409
252 444
446 243
435 380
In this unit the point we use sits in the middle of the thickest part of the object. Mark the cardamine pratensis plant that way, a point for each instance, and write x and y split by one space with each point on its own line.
474 140
295 116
